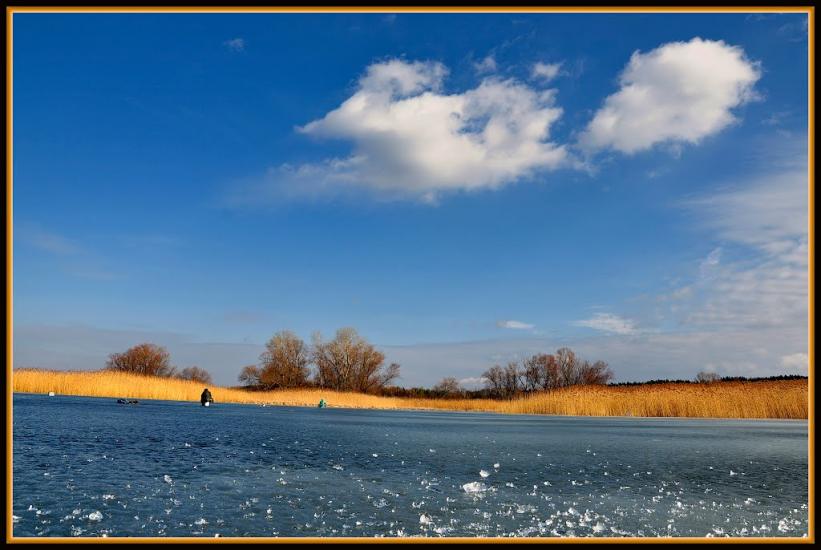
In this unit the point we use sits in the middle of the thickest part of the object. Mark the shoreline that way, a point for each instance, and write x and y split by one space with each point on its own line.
769 399
434 409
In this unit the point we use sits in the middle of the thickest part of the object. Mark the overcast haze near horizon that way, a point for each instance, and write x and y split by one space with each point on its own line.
463 189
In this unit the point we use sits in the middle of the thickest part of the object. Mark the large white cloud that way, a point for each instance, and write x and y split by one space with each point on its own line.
410 138
680 92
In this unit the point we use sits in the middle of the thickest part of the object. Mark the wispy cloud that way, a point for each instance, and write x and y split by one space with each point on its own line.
235 44
545 71
515 325
68 254
486 65
764 220
607 322
48 241
798 361
709 264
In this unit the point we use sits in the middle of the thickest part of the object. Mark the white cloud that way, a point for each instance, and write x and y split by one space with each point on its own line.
709 263
472 382
678 93
797 361
235 44
516 325
545 71
410 139
608 322
487 65
766 283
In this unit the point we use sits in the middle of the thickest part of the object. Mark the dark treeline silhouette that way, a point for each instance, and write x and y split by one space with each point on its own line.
717 379
153 360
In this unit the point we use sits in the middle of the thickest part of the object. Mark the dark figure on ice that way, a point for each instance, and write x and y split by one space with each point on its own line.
206 398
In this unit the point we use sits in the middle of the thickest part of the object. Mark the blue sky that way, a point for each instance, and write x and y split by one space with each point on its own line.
464 189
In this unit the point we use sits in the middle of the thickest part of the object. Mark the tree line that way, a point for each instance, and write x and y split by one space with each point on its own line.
540 372
346 363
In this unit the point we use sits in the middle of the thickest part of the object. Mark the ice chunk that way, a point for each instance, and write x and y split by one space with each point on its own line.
425 519
95 516
167 478
474 487
484 473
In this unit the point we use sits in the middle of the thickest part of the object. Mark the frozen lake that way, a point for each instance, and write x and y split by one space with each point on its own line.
92 467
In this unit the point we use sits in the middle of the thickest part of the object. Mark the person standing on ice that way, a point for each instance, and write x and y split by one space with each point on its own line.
206 397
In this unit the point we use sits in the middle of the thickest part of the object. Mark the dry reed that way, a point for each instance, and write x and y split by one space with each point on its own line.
761 399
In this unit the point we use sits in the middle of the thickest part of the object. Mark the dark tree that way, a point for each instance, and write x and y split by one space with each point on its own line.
195 374
494 380
705 377
146 359
249 375
448 387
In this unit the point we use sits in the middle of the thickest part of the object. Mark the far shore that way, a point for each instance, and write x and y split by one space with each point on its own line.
770 399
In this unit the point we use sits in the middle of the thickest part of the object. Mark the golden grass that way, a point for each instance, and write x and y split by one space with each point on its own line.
765 399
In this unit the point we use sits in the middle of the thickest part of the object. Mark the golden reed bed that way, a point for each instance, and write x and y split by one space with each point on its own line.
765 399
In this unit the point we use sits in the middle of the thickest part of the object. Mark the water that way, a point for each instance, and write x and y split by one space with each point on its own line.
91 467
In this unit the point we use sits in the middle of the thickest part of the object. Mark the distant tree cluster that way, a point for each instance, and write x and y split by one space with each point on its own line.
705 377
700 378
448 387
545 372
345 363
195 374
153 360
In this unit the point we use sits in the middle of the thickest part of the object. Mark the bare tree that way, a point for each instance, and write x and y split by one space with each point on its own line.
540 372
511 379
350 363
502 382
494 380
568 367
448 387
146 359
597 373
545 372
705 377
249 375
195 374
284 363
